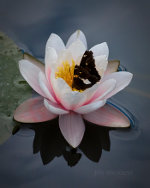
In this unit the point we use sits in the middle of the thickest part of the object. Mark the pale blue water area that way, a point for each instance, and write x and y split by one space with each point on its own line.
106 158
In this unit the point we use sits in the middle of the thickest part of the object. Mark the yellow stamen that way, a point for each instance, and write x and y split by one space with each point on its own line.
66 72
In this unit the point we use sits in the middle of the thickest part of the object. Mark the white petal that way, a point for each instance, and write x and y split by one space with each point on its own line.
54 107
72 128
122 80
90 107
30 73
72 99
46 87
101 64
90 92
64 56
77 35
33 60
103 90
55 42
100 49
77 49
78 60
68 98
50 60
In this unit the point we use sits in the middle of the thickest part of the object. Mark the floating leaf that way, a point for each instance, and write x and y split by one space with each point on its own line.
13 88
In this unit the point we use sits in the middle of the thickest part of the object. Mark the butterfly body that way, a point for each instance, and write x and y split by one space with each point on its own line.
85 74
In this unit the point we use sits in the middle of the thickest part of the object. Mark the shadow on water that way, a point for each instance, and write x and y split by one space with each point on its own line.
49 141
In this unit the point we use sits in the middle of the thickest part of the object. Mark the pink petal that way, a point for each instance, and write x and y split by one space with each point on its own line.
72 128
103 90
90 107
33 111
46 87
54 107
68 98
122 80
112 66
108 116
30 73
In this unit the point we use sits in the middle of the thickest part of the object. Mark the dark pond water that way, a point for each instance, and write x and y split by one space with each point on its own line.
105 158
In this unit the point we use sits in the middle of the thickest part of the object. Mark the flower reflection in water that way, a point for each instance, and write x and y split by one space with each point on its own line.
50 143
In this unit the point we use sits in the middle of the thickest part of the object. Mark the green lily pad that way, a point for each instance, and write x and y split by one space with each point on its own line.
13 88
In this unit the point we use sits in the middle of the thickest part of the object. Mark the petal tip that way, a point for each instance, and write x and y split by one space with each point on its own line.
15 117
72 128
77 35
129 76
19 117
124 124
74 145
105 43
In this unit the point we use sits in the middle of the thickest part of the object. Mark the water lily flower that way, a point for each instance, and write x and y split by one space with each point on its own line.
74 85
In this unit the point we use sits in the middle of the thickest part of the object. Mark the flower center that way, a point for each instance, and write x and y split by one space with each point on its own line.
79 77
66 72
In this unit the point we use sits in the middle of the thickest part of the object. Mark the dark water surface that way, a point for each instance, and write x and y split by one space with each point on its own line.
105 158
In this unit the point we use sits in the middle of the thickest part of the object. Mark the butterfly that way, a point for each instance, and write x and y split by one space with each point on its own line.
85 74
